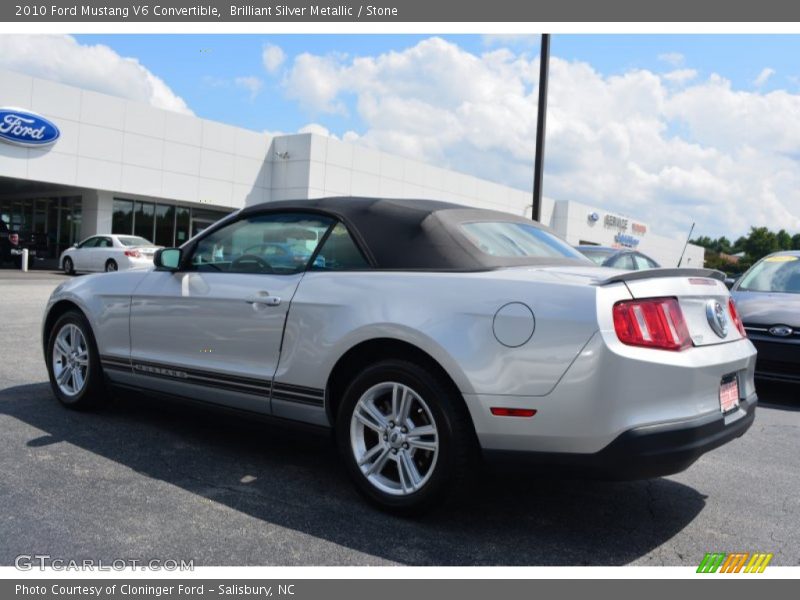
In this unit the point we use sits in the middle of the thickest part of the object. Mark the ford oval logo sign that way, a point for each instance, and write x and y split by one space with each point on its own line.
781 330
25 128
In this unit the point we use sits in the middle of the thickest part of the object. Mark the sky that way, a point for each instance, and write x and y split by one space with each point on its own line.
668 129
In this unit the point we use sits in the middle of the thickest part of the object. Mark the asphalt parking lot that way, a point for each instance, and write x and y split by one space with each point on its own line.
147 480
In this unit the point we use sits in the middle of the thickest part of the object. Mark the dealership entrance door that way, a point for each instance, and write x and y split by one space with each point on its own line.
45 217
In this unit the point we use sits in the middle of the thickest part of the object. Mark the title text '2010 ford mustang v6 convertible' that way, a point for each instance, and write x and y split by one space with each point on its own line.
425 334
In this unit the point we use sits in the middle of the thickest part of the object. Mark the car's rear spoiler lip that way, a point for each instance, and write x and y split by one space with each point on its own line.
661 273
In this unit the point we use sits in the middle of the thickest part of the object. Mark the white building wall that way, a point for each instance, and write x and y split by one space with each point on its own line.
115 147
121 146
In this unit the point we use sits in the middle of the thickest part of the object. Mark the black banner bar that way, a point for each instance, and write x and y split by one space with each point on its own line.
400 11
731 588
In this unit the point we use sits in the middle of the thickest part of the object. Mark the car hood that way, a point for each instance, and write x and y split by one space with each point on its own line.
765 308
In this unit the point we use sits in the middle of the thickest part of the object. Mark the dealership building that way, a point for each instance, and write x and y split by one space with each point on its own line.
75 163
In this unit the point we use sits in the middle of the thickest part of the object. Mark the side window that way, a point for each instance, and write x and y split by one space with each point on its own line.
642 262
104 243
90 243
280 243
339 253
624 261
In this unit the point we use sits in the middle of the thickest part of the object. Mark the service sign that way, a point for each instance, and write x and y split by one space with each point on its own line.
24 128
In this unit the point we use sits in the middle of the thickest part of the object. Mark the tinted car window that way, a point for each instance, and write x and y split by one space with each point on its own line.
133 240
512 239
339 253
598 257
642 262
274 243
89 243
623 261
774 274
104 243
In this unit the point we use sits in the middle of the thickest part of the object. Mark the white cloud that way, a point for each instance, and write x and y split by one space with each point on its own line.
635 142
515 40
672 58
272 56
95 67
762 78
680 76
252 84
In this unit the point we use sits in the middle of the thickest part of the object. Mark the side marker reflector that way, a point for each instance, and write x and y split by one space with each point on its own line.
498 411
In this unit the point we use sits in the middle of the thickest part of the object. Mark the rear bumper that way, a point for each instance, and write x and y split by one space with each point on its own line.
641 452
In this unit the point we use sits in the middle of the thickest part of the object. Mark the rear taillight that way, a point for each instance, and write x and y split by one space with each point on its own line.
133 253
735 317
652 323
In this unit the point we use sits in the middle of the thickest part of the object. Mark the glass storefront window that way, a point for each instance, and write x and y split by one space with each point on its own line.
144 220
165 225
47 225
183 222
122 218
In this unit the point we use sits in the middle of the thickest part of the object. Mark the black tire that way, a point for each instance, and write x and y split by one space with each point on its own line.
457 446
69 267
111 266
93 392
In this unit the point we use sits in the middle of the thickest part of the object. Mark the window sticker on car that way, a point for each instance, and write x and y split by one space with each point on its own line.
780 259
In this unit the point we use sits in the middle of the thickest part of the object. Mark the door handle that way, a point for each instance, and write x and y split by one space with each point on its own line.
264 298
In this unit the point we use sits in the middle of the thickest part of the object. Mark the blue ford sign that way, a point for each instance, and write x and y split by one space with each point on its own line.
26 128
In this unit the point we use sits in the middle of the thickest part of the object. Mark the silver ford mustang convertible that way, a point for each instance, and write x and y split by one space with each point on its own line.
427 335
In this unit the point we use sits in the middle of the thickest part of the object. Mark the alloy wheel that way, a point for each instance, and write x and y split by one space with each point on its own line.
70 360
394 438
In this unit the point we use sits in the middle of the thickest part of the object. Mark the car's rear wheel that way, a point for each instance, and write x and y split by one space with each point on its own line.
69 268
111 266
73 363
405 436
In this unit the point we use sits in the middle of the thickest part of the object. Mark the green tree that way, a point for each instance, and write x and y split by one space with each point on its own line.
796 241
760 242
723 244
738 245
704 241
784 240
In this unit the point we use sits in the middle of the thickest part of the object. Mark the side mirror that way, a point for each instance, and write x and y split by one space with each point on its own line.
168 259
75 245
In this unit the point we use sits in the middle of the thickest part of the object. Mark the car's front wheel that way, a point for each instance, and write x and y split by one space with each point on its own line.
69 268
73 363
405 436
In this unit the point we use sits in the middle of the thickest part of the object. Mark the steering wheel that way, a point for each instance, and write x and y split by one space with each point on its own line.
248 259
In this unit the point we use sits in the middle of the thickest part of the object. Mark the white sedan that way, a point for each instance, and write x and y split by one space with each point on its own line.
108 253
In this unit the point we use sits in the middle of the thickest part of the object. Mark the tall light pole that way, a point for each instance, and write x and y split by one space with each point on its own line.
538 163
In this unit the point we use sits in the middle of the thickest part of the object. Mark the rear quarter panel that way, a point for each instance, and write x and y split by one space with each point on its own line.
449 316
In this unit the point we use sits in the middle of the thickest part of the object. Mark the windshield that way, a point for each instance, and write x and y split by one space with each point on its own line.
133 240
512 239
774 274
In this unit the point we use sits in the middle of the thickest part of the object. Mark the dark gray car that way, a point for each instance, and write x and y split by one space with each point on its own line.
768 299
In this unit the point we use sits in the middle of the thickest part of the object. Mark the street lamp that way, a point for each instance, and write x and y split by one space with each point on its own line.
538 163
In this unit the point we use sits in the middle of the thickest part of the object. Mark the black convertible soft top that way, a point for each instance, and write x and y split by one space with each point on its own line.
410 234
